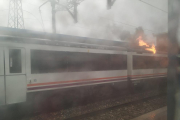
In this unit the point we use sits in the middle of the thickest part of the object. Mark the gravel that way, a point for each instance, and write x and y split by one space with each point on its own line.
131 111
124 113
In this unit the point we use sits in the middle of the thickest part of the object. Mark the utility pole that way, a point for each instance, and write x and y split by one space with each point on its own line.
74 13
15 16
53 4
173 81
110 3
53 11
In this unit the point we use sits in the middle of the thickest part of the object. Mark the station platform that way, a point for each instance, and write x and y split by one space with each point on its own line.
159 114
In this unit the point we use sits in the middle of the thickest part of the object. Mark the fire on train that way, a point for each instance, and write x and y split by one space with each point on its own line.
32 63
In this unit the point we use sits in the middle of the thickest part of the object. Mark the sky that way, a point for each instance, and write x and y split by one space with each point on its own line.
94 20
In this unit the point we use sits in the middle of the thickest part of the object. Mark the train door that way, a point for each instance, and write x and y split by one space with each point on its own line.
15 75
2 78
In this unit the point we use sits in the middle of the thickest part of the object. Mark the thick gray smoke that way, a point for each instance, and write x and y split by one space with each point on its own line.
94 20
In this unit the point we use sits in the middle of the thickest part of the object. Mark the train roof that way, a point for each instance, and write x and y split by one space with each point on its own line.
22 33
34 37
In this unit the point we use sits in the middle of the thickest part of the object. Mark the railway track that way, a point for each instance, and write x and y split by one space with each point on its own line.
96 109
102 111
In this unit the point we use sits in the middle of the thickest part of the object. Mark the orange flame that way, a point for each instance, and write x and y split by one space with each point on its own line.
153 49
142 43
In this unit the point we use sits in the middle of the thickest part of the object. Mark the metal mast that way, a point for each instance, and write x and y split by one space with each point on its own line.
53 12
15 17
53 5
70 6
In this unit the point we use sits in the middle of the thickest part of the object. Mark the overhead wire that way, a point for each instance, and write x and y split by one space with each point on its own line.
30 3
38 9
101 17
28 18
36 18
41 19
42 23
127 24
134 25
153 6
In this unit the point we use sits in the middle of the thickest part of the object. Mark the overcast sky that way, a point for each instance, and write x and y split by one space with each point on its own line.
94 20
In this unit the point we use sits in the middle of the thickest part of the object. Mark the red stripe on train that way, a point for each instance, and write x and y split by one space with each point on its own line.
94 79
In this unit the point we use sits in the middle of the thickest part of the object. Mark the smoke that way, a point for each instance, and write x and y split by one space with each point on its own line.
94 20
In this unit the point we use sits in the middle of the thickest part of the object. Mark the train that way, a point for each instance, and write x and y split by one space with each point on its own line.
35 64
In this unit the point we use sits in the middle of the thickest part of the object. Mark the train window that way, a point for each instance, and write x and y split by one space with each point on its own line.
161 62
99 62
96 62
48 61
149 62
54 61
118 62
15 61
143 62
78 62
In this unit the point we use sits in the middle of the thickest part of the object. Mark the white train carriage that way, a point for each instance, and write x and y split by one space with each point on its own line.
149 70
29 63
148 65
